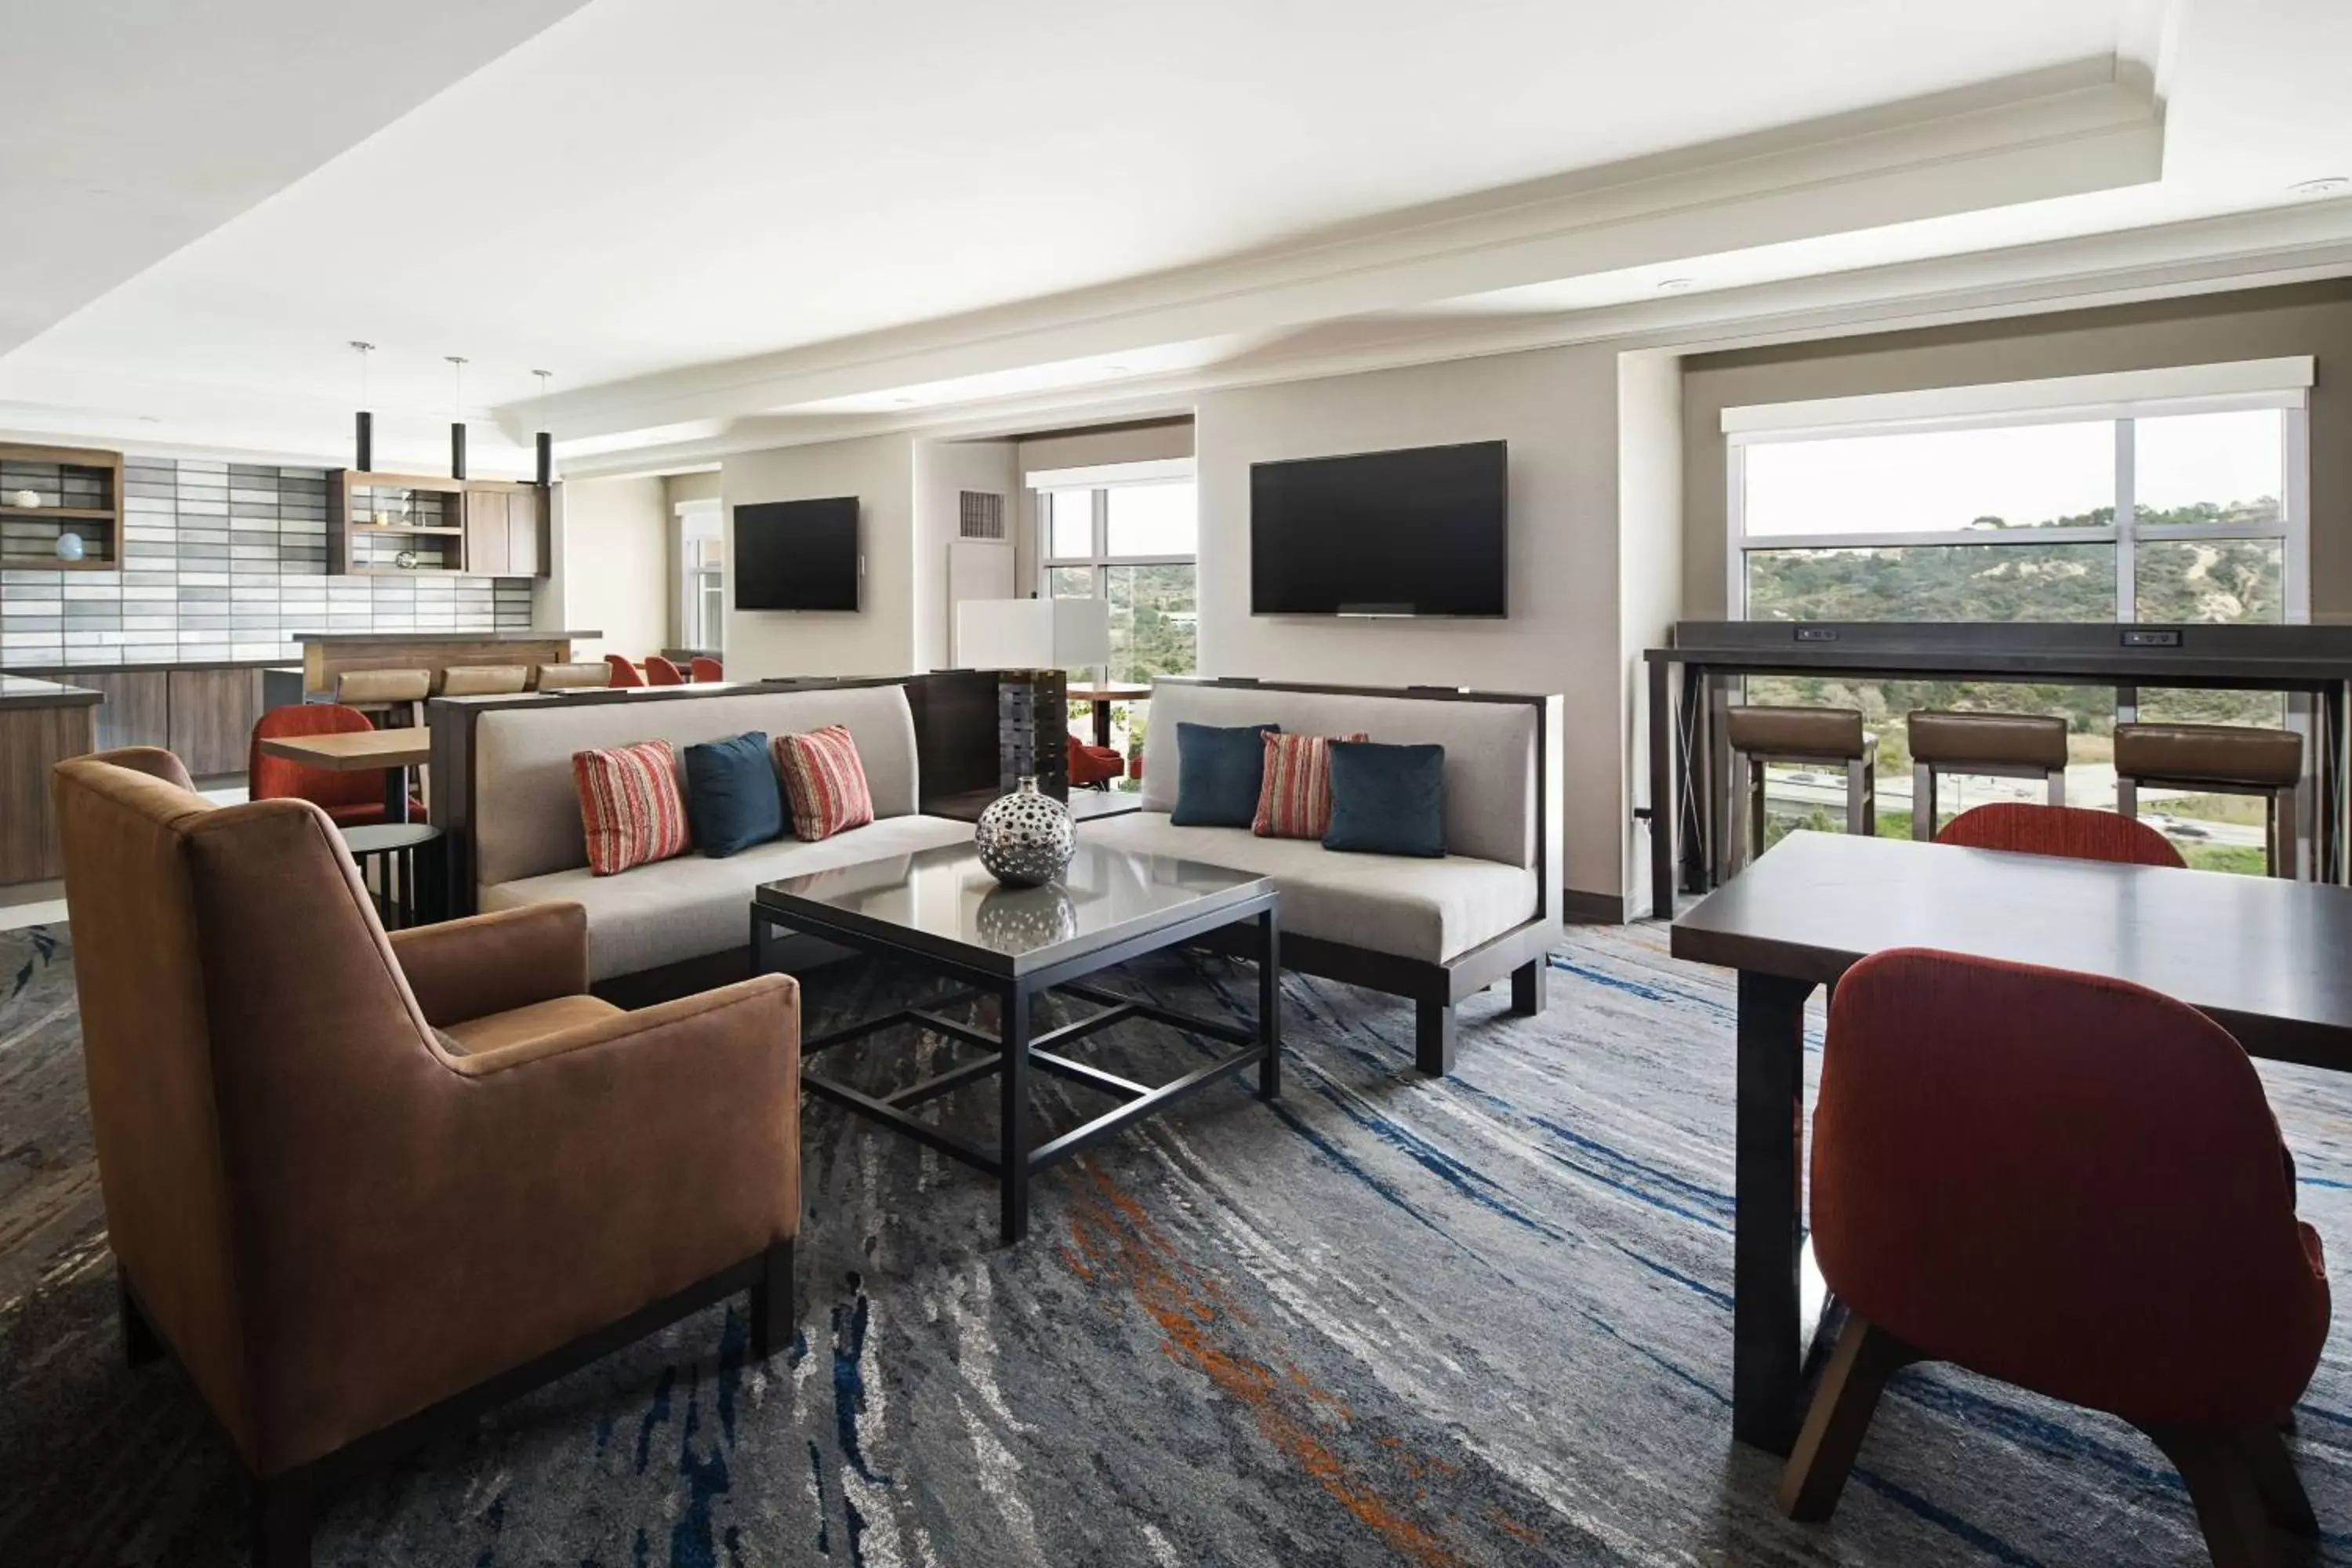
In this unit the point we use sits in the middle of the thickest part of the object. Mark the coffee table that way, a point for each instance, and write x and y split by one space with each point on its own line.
940 910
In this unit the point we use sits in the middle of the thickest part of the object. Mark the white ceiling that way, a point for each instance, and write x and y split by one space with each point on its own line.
700 213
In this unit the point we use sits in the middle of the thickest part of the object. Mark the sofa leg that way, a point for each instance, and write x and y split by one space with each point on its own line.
140 1344
283 1516
1433 1037
1531 986
772 1302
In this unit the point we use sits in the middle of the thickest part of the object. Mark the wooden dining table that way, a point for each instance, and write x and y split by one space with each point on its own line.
2265 958
1101 695
392 751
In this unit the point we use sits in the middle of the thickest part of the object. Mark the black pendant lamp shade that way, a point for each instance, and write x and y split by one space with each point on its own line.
458 426
363 422
545 440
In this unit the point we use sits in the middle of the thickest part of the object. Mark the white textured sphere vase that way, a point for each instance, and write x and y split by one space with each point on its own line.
1025 840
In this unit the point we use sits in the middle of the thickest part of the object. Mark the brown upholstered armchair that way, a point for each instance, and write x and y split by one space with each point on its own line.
365 1187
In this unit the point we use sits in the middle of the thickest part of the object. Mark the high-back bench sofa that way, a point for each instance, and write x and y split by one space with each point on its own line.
1436 930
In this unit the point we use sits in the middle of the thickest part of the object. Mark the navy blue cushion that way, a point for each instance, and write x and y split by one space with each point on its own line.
733 798
1218 773
1387 800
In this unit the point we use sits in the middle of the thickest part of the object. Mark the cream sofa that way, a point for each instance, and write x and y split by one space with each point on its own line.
521 818
1436 930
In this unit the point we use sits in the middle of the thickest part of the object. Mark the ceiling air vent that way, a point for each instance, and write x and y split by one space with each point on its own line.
982 516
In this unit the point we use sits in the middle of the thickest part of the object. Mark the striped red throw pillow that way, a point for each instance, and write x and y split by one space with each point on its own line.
630 806
823 781
1295 801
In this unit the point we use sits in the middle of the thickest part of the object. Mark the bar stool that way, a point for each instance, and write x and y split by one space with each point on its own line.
483 680
1827 735
2217 759
568 677
2000 745
390 698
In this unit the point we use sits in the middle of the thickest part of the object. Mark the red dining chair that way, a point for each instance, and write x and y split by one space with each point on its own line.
661 671
1093 766
2072 1184
2067 830
624 672
702 668
353 799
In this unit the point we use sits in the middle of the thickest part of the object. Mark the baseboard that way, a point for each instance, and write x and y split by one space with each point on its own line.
1592 909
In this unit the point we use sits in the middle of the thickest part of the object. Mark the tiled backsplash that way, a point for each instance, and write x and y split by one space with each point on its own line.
224 560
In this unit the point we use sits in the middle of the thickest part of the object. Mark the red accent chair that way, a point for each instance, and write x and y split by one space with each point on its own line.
2068 830
2072 1184
661 671
701 669
1093 766
624 672
353 799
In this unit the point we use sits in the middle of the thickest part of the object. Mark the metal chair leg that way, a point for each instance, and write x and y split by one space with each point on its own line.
1857 797
1923 802
2057 786
2127 798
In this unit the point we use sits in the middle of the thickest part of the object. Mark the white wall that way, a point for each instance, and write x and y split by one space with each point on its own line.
879 637
1558 409
944 471
1649 568
609 566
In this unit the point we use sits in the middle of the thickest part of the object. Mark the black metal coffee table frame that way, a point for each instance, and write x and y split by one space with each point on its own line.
1017 1051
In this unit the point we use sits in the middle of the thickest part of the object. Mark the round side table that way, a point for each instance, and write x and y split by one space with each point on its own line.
386 853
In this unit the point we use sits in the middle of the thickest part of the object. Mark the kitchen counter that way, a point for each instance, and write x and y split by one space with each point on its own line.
395 638
22 691
327 655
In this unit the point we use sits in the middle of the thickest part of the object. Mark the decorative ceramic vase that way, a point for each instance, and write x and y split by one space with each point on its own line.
1026 839
29 500
70 546
1021 920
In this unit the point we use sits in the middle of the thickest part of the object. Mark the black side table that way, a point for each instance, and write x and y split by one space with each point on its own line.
388 850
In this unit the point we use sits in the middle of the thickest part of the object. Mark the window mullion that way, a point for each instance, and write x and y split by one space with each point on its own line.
2126 520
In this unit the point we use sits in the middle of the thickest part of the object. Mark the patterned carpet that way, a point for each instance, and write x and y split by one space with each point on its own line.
1479 1322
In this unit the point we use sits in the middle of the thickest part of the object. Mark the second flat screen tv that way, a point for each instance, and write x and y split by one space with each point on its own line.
797 555
1416 532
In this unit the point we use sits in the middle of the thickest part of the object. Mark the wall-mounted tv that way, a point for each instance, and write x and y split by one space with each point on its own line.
797 555
1415 532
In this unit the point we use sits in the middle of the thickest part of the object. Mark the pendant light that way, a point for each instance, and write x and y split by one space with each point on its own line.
363 422
545 440
457 407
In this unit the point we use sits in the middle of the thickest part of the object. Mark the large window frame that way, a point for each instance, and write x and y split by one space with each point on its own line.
1787 422
701 574
1100 561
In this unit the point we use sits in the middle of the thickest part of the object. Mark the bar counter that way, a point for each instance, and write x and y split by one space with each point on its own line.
326 655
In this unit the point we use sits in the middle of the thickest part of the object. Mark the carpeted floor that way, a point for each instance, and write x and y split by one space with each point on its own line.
1485 1320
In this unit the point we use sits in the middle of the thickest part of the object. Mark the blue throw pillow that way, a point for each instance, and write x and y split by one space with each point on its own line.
1387 800
1218 775
733 799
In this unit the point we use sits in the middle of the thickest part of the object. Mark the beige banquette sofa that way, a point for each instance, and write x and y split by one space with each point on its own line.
1436 930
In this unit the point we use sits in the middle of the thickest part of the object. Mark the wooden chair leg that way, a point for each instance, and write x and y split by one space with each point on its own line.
284 1515
771 1303
1865 1358
2276 1480
140 1343
2215 1463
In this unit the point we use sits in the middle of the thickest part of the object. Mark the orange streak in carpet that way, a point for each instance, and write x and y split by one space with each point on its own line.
1183 1307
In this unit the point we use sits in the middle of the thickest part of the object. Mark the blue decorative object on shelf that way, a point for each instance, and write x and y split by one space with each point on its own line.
70 546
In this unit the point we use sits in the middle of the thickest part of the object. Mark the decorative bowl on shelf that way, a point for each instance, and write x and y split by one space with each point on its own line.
28 500
69 547
1025 840
405 560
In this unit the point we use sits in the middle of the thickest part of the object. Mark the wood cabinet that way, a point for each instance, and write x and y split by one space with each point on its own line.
212 715
137 709
32 741
505 533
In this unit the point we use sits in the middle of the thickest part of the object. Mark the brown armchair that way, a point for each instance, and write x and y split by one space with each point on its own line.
364 1188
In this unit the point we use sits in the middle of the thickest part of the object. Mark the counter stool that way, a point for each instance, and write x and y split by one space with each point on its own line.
2001 745
1826 735
2217 759
568 677
392 699
483 680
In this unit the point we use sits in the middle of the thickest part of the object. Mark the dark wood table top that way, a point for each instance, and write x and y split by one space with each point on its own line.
2270 960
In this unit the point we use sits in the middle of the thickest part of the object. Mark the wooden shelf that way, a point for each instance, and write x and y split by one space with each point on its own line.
403 528
51 564
75 513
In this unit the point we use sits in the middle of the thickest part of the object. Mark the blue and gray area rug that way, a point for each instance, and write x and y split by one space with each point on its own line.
1485 1320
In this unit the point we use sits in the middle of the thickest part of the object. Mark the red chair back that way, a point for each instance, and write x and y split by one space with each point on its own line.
2070 1183
2067 830
1092 764
703 668
624 672
279 778
661 671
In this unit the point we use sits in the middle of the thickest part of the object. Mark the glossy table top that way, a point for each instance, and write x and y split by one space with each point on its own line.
357 751
2265 957
942 901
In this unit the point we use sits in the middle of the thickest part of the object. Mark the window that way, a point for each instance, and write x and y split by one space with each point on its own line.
1133 543
2178 508
701 575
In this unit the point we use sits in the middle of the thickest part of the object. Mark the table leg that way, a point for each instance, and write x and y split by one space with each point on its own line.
1012 1085
1664 811
1102 722
1694 818
395 794
1269 1005
1767 1336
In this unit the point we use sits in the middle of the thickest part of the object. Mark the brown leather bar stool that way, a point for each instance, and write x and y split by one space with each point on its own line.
2217 759
390 698
1831 736
1998 745
483 680
568 677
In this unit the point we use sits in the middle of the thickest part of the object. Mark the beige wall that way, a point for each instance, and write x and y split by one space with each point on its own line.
678 489
944 471
2305 319
877 638
609 569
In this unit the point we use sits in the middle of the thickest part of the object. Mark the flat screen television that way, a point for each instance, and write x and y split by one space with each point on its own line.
1415 532
797 555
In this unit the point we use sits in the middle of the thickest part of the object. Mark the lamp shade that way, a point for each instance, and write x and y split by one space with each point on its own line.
1032 633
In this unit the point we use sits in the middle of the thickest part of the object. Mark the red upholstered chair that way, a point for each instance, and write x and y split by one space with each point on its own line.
2075 1186
624 672
353 799
702 668
1093 766
661 671
2068 830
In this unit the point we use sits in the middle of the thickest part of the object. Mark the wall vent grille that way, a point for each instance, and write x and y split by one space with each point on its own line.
982 516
